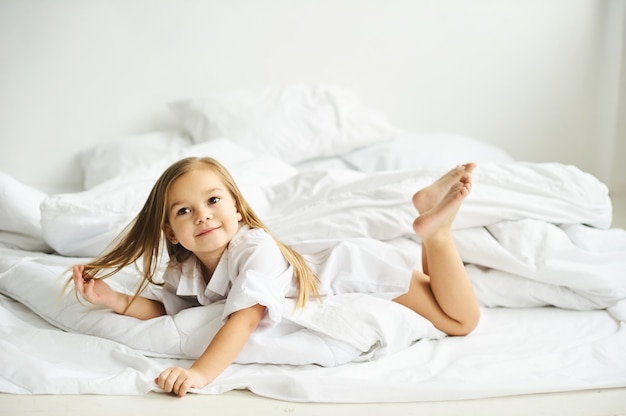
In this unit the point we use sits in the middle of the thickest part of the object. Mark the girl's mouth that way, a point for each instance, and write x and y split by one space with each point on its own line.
206 231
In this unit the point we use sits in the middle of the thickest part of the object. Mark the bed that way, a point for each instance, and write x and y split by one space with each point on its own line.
316 164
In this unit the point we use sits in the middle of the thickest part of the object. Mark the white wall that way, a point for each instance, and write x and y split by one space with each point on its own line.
618 167
535 77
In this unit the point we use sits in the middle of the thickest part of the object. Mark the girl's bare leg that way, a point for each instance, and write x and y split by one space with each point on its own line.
426 198
443 294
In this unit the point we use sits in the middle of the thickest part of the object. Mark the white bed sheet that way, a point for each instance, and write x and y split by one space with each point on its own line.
513 351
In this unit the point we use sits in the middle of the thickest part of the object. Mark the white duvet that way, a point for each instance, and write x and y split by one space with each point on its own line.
534 237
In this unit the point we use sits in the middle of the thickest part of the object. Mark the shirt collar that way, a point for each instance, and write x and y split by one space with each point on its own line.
220 282
191 281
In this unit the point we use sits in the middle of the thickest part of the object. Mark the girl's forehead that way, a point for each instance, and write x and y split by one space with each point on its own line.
198 179
199 175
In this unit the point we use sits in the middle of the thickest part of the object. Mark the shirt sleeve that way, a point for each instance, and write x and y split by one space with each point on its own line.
260 276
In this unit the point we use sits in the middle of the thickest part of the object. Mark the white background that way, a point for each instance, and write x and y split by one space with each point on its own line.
540 79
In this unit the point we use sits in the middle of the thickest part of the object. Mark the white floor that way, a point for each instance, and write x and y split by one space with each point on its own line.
591 402
240 403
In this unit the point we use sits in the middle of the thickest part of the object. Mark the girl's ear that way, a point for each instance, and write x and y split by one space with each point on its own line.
239 216
169 234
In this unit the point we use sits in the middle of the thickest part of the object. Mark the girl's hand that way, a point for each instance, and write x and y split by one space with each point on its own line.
179 380
94 291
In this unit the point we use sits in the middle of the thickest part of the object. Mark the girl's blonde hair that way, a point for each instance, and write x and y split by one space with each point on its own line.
144 236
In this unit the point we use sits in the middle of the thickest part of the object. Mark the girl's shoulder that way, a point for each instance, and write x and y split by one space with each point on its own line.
255 249
253 240
247 236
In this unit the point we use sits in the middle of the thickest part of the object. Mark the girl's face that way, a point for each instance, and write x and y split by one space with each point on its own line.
202 215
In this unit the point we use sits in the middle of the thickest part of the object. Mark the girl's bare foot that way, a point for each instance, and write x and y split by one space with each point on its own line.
440 217
427 198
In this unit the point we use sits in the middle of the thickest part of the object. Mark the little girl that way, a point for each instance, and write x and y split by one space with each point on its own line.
219 249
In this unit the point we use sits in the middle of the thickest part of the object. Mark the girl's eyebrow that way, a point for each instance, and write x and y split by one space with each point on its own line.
208 191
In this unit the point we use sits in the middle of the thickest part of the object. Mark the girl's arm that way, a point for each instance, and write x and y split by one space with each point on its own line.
221 352
97 292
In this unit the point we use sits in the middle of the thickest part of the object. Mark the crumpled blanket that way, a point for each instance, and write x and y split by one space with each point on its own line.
530 234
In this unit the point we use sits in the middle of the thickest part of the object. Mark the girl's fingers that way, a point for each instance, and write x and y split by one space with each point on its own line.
183 388
181 385
83 282
84 287
78 280
87 289
160 380
78 270
173 380
168 385
176 385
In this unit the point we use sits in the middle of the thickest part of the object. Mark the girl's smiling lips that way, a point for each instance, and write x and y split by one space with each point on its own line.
206 231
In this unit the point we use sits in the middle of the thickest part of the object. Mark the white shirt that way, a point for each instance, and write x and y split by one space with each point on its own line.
253 271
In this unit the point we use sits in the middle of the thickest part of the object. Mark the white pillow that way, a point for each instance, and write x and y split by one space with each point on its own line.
323 164
223 150
424 151
20 219
361 324
82 224
110 159
295 123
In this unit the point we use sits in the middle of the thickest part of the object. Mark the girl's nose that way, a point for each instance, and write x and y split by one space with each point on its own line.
205 215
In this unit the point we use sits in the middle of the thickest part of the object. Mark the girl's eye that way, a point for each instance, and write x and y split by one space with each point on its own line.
213 200
183 211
